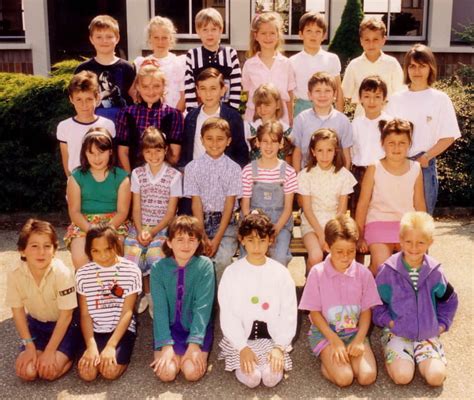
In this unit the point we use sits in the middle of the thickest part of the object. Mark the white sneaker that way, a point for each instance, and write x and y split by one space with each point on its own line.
150 307
142 304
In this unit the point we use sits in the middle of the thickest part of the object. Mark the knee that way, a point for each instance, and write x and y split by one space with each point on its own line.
30 373
168 374
88 374
367 378
402 377
112 373
271 379
190 372
344 378
435 378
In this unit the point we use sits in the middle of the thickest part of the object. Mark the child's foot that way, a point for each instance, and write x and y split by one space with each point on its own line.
142 304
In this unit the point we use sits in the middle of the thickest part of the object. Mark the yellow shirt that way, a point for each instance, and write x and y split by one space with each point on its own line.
55 292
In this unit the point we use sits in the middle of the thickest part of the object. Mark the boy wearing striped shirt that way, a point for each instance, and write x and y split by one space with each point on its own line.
209 27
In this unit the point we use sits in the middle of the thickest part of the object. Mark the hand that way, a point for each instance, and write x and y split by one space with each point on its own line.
163 359
275 358
26 359
214 246
248 360
362 245
339 352
108 361
144 238
194 354
46 364
321 238
90 358
356 348
207 248
423 160
391 324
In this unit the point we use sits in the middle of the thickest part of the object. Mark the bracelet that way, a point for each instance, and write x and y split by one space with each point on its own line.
24 342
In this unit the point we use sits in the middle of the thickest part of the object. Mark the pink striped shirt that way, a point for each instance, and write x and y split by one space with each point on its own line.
290 185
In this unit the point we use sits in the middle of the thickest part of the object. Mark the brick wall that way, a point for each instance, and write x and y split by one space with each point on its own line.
16 61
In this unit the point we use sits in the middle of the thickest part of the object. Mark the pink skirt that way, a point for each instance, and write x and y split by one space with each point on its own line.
382 232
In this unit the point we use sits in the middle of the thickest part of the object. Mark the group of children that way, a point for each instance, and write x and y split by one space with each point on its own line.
380 168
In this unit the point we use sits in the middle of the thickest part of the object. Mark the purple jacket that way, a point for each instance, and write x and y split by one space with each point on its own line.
416 315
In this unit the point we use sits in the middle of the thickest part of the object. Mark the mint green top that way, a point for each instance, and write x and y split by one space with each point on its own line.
413 273
198 299
99 197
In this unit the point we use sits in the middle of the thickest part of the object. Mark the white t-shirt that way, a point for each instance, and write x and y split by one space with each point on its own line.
176 187
72 132
199 149
97 284
174 68
305 65
432 114
387 67
366 146
250 293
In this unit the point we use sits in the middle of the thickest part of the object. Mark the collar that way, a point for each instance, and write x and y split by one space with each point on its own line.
162 169
381 57
154 106
331 272
324 171
208 157
206 51
23 267
326 117
319 52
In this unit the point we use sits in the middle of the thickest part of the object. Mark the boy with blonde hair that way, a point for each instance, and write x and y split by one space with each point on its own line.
313 58
114 74
373 61
419 305
209 27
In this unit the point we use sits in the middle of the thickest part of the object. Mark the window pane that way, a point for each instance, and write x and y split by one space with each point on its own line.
299 7
11 18
219 5
408 22
463 15
177 11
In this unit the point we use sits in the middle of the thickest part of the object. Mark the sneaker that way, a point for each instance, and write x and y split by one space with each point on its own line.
150 308
142 304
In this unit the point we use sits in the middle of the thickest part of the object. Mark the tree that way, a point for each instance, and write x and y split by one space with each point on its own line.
346 43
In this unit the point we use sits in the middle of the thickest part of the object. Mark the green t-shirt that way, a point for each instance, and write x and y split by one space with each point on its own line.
414 273
99 197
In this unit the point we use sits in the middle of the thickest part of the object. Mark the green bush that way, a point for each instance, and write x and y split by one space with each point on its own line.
66 67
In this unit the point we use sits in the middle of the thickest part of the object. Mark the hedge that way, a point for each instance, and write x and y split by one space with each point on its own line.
32 178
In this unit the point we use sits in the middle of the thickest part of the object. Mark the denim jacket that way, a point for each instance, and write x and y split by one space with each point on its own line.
417 315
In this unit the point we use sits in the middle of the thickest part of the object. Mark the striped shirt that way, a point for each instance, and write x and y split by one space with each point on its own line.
226 60
290 184
105 289
212 180
413 273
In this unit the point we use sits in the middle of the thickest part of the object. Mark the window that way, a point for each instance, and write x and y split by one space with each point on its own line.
291 11
183 12
11 20
463 16
405 19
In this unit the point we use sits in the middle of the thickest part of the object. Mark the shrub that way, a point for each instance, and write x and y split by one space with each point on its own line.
66 67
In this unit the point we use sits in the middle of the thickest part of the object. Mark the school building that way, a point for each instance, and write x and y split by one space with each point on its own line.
34 34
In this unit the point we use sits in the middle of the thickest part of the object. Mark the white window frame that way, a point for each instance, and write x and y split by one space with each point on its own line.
16 37
289 36
190 34
405 38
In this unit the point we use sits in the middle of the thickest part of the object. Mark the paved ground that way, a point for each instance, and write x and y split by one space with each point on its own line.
453 247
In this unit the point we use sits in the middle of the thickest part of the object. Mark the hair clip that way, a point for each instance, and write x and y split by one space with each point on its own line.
150 61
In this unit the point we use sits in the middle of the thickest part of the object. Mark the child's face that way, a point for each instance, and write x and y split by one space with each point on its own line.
322 96
104 41
84 103
102 253
151 89
183 247
342 254
269 147
159 40
312 36
372 42
98 159
267 111
372 102
396 146
39 251
215 141
324 152
267 36
418 73
256 247
154 157
210 35
414 245
210 92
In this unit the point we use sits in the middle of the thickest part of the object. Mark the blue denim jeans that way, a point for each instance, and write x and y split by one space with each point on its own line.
227 248
430 184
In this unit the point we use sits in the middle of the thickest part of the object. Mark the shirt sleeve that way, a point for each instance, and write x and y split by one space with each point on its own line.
136 282
286 324
231 324
110 126
246 81
311 298
348 83
346 133
12 298
61 133
304 183
381 313
65 287
446 301
336 71
176 187
247 181
189 83
348 181
291 77
191 187
370 296
397 77
234 184
297 132
291 182
135 184
202 304
448 123
235 80
161 322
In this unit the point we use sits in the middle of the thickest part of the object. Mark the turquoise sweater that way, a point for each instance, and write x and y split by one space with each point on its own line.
198 299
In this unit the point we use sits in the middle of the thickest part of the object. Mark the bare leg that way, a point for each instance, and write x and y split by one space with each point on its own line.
315 253
112 372
170 373
340 374
190 372
63 363
433 370
365 367
379 253
401 371
78 254
29 373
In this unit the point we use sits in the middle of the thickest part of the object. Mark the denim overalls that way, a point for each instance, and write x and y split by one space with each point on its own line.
270 197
